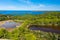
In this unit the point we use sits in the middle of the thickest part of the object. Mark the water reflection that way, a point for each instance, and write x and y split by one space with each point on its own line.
44 29
10 24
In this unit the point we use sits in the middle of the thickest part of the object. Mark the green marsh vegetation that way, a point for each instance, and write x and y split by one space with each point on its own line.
50 19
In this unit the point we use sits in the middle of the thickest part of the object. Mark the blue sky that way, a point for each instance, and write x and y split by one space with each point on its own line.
30 5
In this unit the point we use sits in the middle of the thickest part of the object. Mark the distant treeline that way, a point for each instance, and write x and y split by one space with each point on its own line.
45 18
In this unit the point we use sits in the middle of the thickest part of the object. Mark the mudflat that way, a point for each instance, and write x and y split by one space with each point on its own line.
2 22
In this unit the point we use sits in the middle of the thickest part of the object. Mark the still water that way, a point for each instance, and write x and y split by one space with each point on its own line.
44 29
10 24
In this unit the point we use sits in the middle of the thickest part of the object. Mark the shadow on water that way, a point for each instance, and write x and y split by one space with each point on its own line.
43 28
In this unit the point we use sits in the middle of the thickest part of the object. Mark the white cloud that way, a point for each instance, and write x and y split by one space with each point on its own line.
7 7
25 1
30 7
42 5
11 7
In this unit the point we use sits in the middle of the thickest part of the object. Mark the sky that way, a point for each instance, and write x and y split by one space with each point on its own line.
40 5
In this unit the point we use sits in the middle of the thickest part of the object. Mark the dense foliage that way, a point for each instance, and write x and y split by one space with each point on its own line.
23 33
53 17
